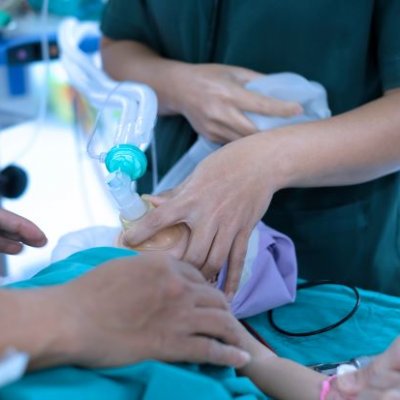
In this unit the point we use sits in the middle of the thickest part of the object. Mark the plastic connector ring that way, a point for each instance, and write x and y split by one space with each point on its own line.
128 159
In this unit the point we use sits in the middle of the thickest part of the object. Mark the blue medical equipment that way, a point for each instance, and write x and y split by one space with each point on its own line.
122 150
18 52
82 9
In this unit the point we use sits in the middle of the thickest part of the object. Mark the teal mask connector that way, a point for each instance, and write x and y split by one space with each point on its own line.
128 159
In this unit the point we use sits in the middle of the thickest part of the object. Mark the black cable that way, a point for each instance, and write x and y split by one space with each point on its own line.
326 328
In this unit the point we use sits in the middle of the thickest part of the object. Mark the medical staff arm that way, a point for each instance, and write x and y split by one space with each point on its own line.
231 189
211 97
126 310
32 322
351 148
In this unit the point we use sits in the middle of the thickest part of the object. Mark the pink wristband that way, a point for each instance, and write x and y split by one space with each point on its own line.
326 387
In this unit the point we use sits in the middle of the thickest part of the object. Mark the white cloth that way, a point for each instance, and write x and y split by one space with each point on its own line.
284 86
95 236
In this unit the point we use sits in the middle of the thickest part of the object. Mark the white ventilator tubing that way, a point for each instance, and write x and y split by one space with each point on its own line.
129 203
137 102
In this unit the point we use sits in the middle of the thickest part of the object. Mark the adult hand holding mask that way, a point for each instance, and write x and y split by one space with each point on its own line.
228 193
220 219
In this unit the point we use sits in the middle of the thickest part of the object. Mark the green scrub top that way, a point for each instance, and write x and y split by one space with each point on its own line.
352 48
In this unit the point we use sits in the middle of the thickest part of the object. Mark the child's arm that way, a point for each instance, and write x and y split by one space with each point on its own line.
278 377
283 379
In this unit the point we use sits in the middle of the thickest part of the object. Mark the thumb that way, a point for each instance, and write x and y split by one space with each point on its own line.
244 75
351 383
157 200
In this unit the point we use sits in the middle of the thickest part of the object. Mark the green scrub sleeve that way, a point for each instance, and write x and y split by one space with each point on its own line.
123 20
388 33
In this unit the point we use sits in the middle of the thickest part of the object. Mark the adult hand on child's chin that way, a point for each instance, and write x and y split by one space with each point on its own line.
378 380
145 307
220 203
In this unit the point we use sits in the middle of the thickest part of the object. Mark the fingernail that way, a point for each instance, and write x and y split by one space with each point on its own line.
244 357
347 381
298 109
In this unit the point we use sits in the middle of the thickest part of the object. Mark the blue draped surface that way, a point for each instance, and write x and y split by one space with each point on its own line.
369 331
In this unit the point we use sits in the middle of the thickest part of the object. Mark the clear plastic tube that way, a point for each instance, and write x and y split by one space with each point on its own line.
121 146
136 102
129 203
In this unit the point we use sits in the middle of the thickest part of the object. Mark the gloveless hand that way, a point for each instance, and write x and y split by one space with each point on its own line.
377 381
145 307
15 231
220 202
212 97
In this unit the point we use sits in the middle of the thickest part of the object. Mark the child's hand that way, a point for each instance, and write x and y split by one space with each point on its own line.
379 380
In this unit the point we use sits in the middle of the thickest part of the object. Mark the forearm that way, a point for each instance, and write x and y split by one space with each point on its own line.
130 60
283 379
351 148
32 321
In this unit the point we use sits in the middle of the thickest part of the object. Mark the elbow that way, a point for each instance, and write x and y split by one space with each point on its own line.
106 53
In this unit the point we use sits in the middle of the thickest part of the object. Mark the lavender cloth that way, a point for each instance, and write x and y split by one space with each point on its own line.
269 274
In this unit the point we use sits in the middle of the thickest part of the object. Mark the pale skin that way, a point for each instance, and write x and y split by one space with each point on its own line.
17 231
350 148
93 323
284 379
99 319
342 150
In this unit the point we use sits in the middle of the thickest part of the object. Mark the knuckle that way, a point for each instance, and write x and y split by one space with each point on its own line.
175 289
373 374
229 330
212 351
211 271
211 114
212 130
195 260
153 219
221 297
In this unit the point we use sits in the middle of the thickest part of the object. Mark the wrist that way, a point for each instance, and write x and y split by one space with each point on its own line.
277 151
172 86
330 391
264 154
39 326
